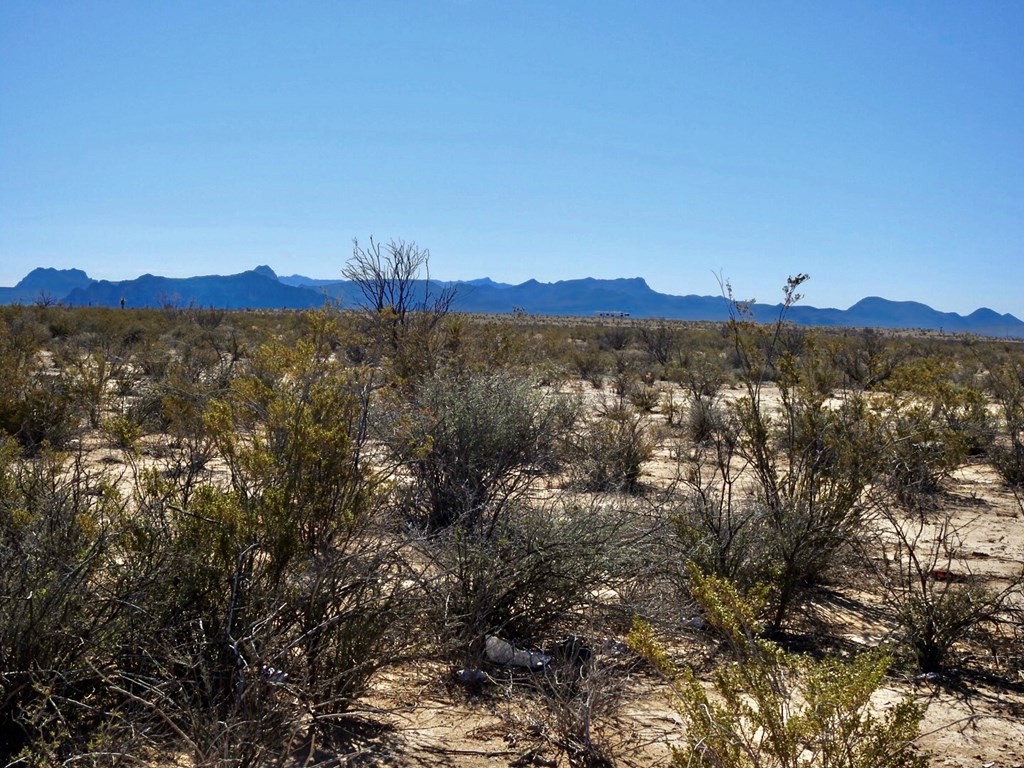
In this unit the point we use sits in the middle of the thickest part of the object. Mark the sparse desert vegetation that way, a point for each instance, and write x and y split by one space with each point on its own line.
285 538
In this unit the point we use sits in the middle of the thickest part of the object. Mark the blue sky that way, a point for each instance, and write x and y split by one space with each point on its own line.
878 146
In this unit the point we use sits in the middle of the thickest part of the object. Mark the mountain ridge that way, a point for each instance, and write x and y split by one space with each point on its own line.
263 288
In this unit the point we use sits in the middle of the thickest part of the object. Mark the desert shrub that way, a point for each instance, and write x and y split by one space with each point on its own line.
1006 385
121 432
813 460
614 338
624 382
533 572
661 342
574 703
670 406
231 658
259 659
706 419
39 411
87 373
920 454
36 406
701 375
59 611
1008 460
612 449
501 345
868 359
715 525
636 363
768 708
473 445
401 307
181 378
938 601
292 431
645 397
631 385
591 364
933 425
813 486
267 606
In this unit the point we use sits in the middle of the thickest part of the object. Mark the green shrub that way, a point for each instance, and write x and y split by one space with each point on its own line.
292 432
1006 385
813 460
267 606
41 411
36 406
932 426
706 419
771 709
591 364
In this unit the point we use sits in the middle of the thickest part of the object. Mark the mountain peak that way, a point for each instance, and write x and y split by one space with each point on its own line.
266 271
44 276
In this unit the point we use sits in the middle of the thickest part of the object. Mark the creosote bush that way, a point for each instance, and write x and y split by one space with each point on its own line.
58 613
232 623
932 425
1006 384
769 709
812 461
37 406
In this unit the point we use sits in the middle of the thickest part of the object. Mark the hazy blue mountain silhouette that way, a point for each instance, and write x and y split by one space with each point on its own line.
246 290
261 288
633 295
300 281
44 285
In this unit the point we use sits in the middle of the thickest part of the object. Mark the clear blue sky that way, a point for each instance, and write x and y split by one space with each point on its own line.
878 146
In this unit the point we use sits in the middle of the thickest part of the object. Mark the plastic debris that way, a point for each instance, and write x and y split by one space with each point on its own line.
500 651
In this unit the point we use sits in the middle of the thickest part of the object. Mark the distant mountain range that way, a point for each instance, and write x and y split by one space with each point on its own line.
262 288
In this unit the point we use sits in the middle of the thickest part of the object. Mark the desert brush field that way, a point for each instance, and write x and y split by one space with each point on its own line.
405 536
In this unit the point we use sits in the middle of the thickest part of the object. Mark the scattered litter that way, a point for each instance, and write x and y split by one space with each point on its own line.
503 652
275 676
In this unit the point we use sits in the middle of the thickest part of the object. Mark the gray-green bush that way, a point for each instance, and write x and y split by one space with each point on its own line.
474 445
